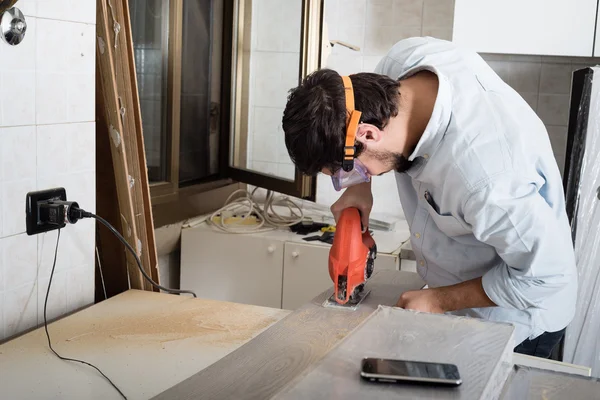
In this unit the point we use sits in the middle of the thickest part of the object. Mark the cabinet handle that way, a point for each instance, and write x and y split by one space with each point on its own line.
295 254
271 249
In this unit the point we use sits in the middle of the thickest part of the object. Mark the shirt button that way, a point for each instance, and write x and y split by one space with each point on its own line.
417 235
421 263
426 156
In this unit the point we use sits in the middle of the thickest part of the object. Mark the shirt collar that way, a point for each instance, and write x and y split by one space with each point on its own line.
440 117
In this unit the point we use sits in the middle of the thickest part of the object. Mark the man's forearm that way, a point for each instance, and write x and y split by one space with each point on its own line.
468 294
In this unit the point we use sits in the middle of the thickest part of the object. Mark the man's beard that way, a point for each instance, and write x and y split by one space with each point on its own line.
397 161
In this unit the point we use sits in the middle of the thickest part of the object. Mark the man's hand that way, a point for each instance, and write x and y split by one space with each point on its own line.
468 294
358 196
425 300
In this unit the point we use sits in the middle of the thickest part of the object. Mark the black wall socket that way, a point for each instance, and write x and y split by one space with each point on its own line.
32 210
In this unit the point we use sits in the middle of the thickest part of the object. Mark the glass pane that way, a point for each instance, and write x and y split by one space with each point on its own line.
196 157
149 22
268 66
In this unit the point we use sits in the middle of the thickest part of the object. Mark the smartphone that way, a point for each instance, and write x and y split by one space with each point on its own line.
386 370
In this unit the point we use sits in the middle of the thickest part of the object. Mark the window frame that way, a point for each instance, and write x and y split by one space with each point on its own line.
310 44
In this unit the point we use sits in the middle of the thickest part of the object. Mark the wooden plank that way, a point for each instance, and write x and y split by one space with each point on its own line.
121 111
108 92
482 351
113 263
262 367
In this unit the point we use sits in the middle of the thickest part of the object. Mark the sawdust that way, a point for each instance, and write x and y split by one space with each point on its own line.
211 323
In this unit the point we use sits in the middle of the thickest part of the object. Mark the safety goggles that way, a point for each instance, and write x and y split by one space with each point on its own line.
353 171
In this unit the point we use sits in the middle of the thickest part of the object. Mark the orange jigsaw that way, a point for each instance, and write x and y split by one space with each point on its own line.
351 258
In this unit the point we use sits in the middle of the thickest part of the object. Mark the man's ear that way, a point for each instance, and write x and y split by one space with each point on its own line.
368 133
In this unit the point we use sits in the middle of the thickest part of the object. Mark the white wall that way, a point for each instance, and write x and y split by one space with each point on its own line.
47 139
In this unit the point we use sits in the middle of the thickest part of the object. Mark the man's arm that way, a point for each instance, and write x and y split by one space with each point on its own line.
468 294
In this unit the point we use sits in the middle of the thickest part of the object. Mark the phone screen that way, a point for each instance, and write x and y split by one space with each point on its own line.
410 370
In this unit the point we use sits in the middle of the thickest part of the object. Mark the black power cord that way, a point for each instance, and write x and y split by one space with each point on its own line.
48 334
70 212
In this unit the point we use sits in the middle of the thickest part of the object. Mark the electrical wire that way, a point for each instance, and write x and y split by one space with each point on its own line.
238 210
100 263
137 259
48 334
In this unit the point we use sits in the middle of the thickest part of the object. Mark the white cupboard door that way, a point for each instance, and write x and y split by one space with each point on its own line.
544 27
305 273
387 261
232 267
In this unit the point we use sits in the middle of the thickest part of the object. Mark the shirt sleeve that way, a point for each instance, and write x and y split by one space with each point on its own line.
532 239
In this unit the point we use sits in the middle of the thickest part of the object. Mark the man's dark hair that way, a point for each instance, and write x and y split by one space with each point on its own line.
314 120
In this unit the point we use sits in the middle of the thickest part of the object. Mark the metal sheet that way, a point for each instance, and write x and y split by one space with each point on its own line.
532 383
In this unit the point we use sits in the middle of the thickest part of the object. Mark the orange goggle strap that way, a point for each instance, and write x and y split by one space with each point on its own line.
351 125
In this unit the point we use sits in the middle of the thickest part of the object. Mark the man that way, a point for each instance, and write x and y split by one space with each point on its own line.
477 179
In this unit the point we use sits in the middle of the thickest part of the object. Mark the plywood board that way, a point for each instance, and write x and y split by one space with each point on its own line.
262 367
481 350
145 342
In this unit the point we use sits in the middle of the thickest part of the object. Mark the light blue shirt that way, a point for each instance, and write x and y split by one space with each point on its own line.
484 197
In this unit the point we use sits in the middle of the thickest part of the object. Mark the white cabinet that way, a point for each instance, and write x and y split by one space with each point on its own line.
544 27
273 269
232 267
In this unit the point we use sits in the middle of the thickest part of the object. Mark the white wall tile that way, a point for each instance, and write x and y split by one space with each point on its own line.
346 64
370 62
22 56
80 287
438 33
18 98
380 39
68 10
351 34
558 138
531 99
28 8
2 272
81 100
2 332
264 148
80 243
408 12
65 72
525 76
53 49
20 309
380 13
438 13
265 167
57 298
52 141
352 12
51 99
17 154
286 171
13 195
46 246
553 109
556 78
81 147
19 260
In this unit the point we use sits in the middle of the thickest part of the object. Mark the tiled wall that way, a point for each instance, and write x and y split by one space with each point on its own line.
274 66
47 139
375 25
